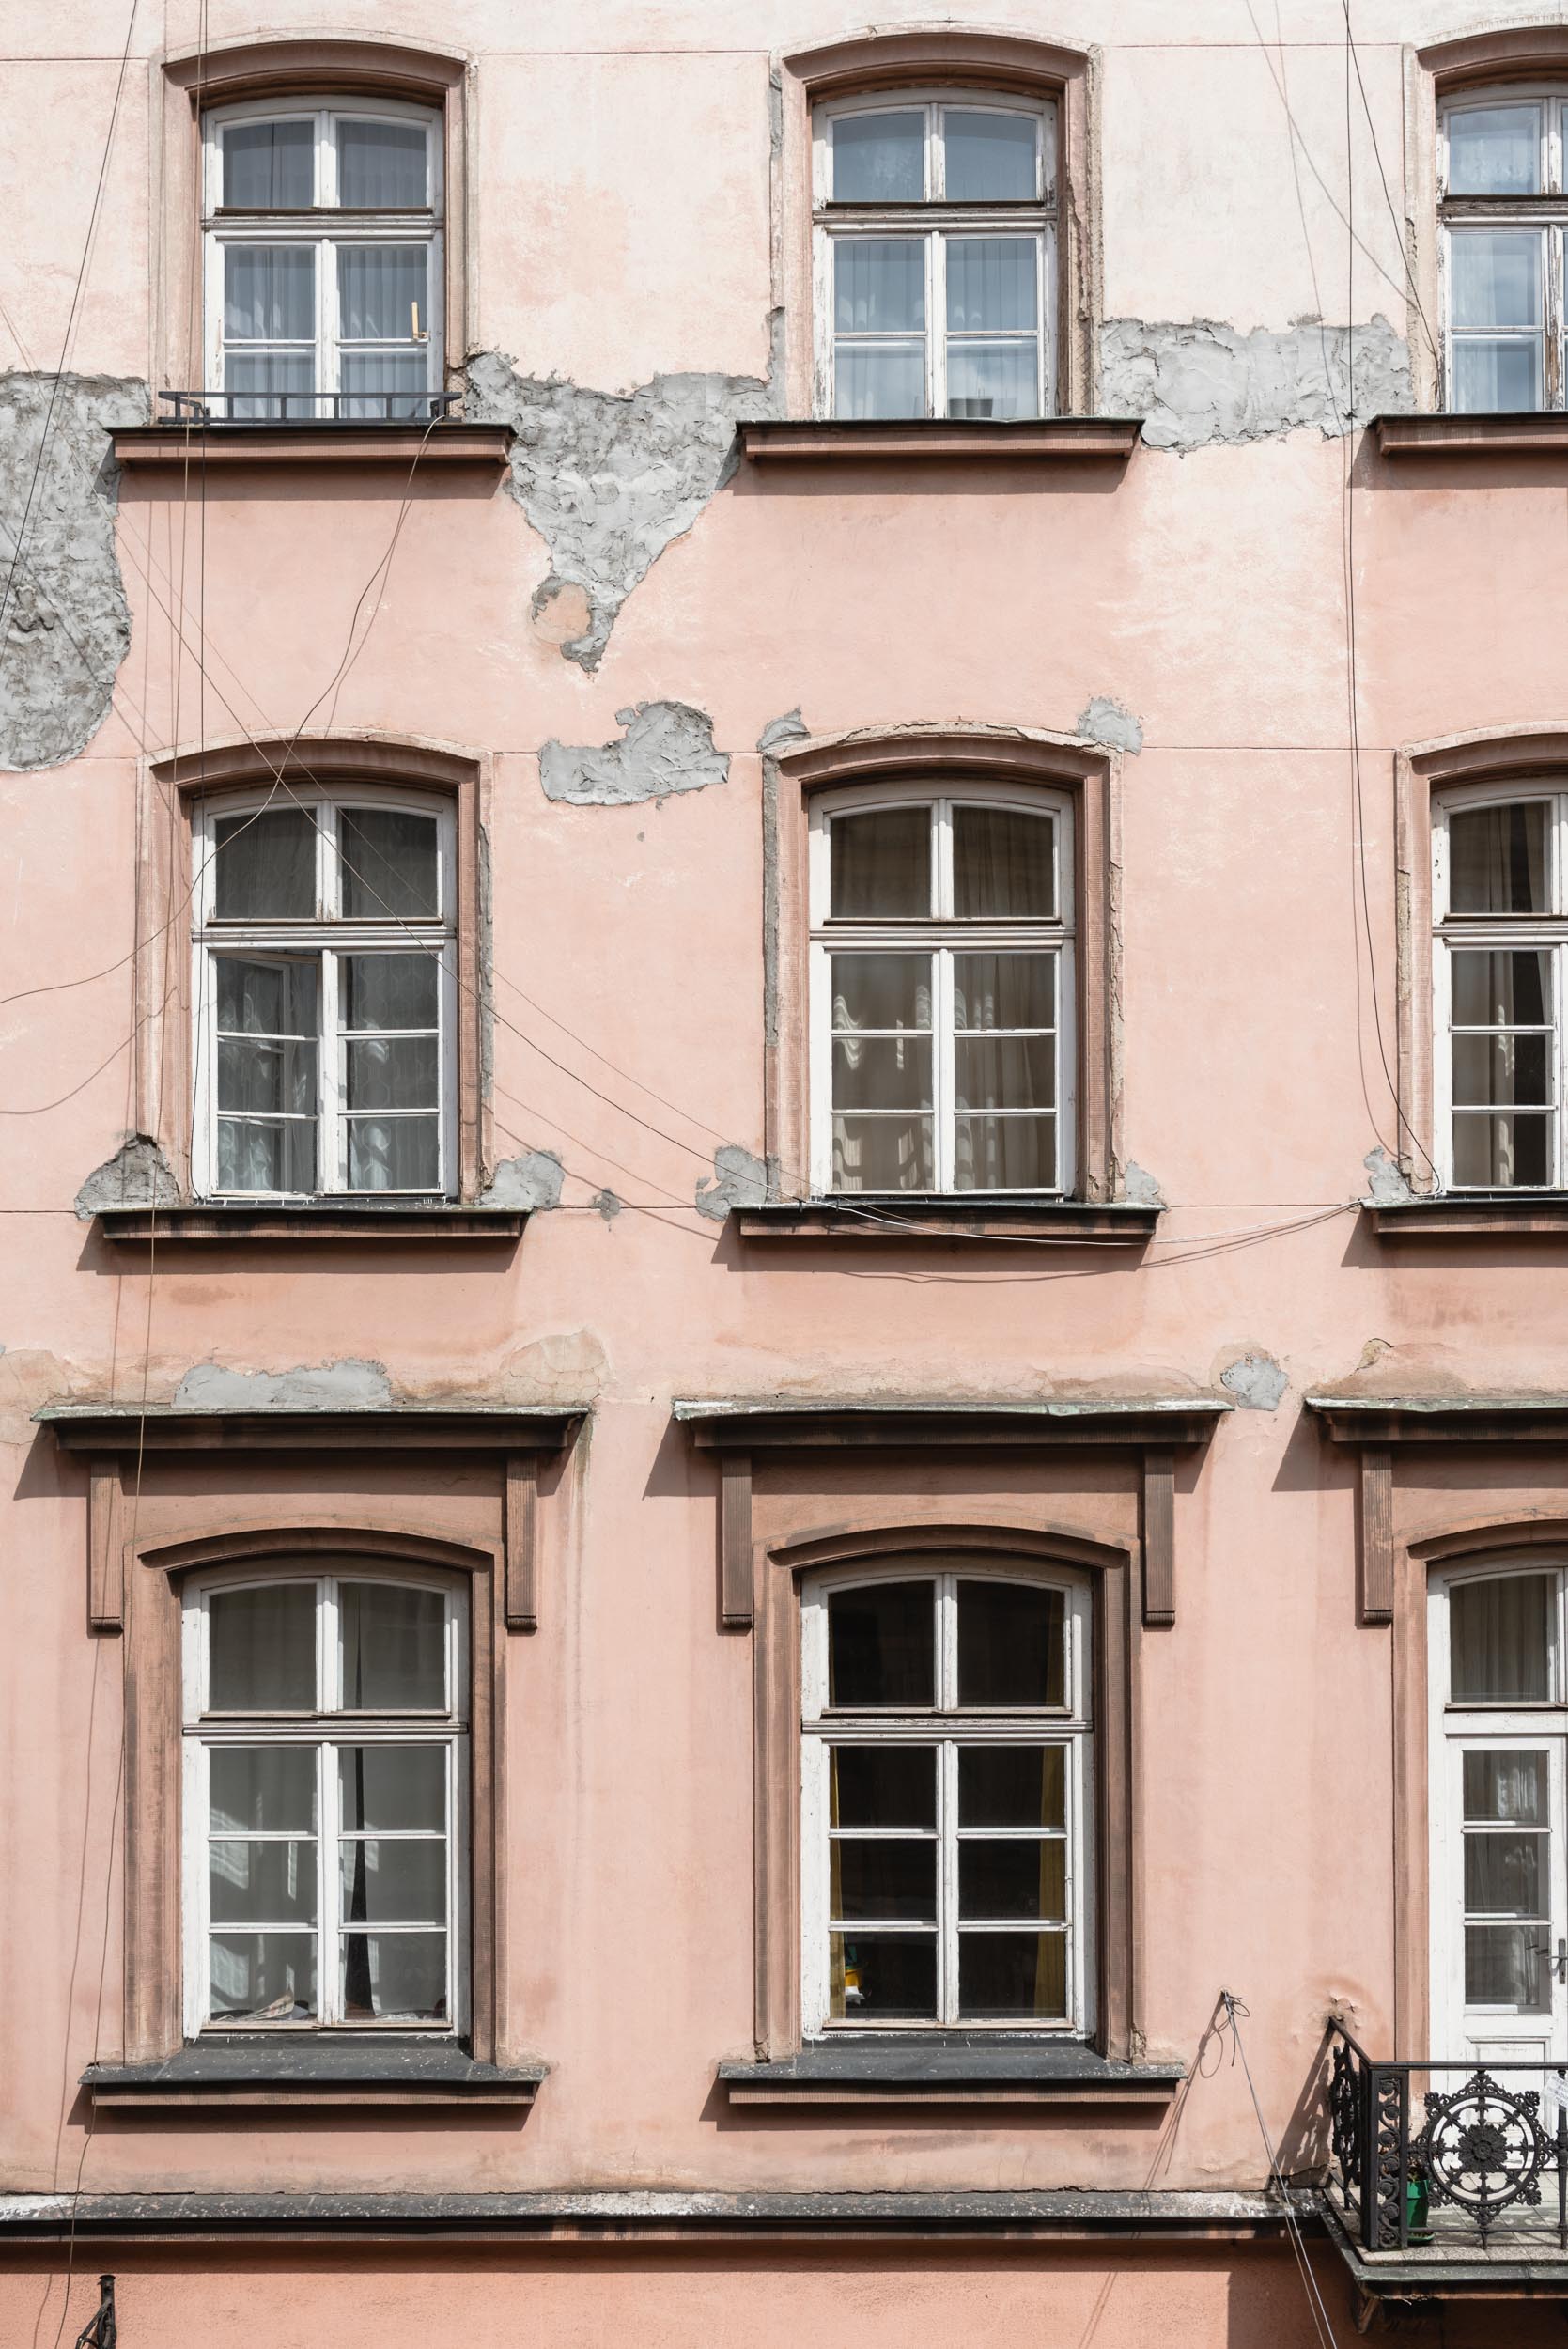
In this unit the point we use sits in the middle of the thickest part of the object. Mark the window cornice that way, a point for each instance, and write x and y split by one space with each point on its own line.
1057 761
309 760
876 60
220 73
1512 52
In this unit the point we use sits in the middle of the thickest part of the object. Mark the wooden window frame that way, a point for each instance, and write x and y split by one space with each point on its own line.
1544 216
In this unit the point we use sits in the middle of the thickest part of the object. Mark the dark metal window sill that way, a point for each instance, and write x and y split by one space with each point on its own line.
300 2071
1500 1215
912 1217
953 2069
204 447
1528 432
837 440
242 1225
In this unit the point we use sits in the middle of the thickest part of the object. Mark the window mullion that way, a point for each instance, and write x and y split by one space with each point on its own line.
329 1925
947 1891
944 1069
936 322
330 1139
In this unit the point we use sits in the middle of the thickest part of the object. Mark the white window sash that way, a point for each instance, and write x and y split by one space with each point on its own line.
1545 214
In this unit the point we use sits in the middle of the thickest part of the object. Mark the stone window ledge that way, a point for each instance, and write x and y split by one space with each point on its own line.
910 1218
204 447
304 2071
1496 1214
1529 432
244 1225
952 2068
836 440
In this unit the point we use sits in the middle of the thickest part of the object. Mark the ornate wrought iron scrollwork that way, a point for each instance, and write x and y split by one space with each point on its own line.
1484 2148
1344 2117
1390 2157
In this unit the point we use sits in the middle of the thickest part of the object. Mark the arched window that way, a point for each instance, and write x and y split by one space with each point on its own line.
326 1788
943 994
946 1797
1503 207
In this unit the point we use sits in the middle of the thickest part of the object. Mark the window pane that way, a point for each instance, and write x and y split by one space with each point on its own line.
265 1976
1495 150
882 1977
1506 1786
261 1649
1496 275
991 283
275 1079
1497 377
881 864
879 380
378 288
1004 1154
1498 859
1007 1879
993 379
394 1977
265 866
882 1785
994 1073
1004 1974
1012 1644
269 166
1502 991
877 1880
881 1644
1499 1070
262 1884
990 157
992 991
882 1073
883 1154
880 158
391 1072
382 1788
389 867
266 999
269 293
382 166
1011 1786
1502 1152
394 1644
1504 1967
255 1155
386 387
1505 1876
881 991
394 1880
1499 1640
258 382
262 1788
391 991
878 284
394 1154
1003 865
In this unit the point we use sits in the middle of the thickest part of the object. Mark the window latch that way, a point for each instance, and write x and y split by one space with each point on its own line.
1558 1964
102 2330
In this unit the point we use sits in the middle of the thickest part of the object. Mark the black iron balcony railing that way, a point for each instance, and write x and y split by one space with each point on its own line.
1434 2152
362 407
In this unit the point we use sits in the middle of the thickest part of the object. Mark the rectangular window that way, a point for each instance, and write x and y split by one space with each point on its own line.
325 1766
323 237
936 257
945 1791
1504 207
325 991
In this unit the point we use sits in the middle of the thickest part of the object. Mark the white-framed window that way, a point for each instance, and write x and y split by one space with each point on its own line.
946 1799
322 230
943 995
1499 902
1498 1780
325 990
325 1801
1504 207
935 255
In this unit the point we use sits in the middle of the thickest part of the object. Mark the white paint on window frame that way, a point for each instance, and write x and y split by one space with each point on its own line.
947 1726
1543 214
322 1731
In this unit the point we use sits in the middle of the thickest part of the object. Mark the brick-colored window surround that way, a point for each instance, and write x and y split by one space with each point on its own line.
924 72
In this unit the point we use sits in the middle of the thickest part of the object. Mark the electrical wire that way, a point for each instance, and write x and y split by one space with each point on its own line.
1236 2011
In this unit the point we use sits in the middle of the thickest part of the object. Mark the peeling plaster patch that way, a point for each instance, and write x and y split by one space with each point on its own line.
533 1181
1102 719
344 1385
1200 381
1388 1184
739 1180
560 611
1255 1381
667 747
791 727
1140 1188
138 1176
607 1204
68 626
608 479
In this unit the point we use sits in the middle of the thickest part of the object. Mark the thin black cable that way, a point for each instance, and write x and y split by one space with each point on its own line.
1236 2011
1412 288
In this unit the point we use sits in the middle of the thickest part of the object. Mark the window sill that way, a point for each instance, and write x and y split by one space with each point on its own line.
1515 433
953 2069
341 1221
910 1217
1472 1215
834 440
299 2072
204 447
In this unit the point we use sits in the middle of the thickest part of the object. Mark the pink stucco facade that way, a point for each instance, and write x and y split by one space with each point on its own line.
627 198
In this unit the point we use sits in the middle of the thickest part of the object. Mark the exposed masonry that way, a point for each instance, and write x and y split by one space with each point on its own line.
1255 1382
607 1204
739 1180
1140 1188
791 727
138 1176
666 747
1387 1185
1200 382
68 626
533 1180
1103 720
608 479
344 1386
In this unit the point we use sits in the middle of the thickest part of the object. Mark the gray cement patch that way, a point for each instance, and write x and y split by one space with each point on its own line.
1198 381
667 747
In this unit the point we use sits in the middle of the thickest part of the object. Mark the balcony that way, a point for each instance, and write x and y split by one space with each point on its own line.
200 429
1445 2178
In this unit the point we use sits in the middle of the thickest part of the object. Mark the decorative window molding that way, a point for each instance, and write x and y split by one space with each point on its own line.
922 71
805 785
